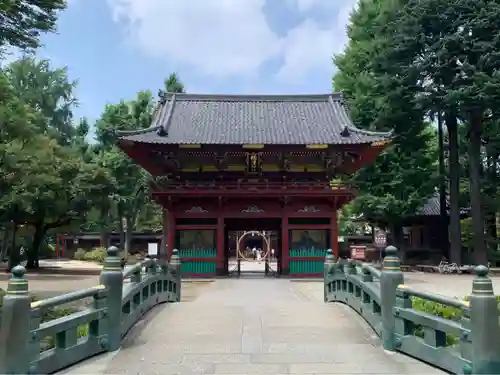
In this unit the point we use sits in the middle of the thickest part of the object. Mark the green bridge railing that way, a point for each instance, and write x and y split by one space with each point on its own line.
468 344
117 304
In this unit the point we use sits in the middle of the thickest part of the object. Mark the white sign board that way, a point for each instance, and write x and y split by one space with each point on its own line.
152 249
380 238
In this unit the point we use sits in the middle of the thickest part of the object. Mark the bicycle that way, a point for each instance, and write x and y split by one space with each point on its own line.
448 268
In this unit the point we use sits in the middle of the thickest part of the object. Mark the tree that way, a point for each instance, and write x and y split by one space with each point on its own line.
403 177
49 91
453 46
57 188
23 21
16 131
50 180
173 84
132 182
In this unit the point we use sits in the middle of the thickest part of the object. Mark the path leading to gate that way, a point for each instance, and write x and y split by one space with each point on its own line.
253 326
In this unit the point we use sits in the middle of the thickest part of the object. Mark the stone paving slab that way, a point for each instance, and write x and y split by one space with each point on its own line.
253 326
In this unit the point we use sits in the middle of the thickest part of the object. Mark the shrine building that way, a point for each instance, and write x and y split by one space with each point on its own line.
226 164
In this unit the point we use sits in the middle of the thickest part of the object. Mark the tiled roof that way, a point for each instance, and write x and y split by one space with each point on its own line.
432 207
253 119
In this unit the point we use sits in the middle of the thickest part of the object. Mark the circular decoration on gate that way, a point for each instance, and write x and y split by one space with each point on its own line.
248 257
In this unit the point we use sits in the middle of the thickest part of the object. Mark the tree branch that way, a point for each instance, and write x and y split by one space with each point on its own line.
58 223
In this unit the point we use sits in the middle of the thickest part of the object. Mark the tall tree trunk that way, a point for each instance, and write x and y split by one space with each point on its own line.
104 235
121 227
128 237
491 190
475 161
33 252
491 229
5 243
14 257
397 239
443 201
454 172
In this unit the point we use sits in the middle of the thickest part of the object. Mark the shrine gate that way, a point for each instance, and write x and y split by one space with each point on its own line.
227 163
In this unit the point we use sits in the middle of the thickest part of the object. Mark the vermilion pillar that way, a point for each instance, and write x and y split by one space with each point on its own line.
334 233
285 247
171 233
220 267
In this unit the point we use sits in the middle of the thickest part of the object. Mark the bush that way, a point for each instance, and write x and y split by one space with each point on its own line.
2 294
55 313
96 255
79 254
47 251
437 309
443 311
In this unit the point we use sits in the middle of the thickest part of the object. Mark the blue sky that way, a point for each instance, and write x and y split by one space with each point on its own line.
115 48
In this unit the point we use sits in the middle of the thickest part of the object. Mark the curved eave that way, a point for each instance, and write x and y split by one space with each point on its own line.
125 133
382 135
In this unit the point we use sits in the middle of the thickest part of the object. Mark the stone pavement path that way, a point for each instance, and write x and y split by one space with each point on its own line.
253 326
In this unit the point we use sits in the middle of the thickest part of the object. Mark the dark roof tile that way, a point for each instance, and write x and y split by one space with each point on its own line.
253 119
432 207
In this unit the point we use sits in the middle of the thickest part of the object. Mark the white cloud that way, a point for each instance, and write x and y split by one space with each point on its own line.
218 37
311 46
224 38
305 5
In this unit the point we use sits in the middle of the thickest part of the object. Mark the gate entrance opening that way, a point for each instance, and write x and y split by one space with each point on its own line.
252 246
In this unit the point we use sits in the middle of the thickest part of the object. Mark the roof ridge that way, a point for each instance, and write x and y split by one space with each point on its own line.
165 126
337 96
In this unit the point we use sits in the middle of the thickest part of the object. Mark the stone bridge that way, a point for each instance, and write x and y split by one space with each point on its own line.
252 326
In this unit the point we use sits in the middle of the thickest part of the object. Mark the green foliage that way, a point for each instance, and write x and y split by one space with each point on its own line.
23 21
49 91
437 309
466 233
173 84
450 50
79 254
47 251
47 178
2 294
404 176
443 311
56 313
51 177
96 255
350 223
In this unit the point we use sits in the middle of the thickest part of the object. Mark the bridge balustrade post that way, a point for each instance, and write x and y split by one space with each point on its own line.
328 270
390 278
351 267
485 329
152 269
175 268
112 277
15 325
